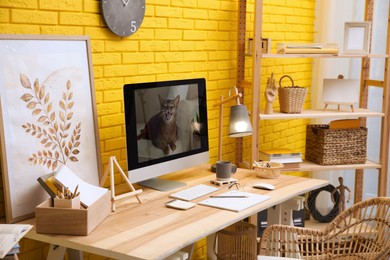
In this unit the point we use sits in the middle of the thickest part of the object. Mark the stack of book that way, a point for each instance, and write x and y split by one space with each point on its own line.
290 159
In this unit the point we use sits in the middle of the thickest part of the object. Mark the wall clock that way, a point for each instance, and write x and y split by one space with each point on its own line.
123 17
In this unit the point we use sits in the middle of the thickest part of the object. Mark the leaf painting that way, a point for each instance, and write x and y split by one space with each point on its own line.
58 137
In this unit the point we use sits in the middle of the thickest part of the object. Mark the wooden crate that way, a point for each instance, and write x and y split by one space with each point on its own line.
51 220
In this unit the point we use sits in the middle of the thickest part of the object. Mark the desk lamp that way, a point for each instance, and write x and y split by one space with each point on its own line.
240 124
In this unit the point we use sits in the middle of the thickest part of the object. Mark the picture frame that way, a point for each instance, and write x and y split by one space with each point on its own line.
47 116
356 37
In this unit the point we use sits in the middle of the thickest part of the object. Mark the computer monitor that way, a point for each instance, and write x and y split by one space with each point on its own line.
166 129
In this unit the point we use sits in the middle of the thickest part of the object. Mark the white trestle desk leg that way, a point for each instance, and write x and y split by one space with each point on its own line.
283 213
58 253
210 245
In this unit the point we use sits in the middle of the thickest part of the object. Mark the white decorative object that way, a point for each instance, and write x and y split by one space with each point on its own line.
340 92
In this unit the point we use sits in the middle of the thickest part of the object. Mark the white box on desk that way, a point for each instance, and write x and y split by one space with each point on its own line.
52 220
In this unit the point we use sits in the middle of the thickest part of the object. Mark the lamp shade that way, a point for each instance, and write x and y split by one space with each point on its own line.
240 124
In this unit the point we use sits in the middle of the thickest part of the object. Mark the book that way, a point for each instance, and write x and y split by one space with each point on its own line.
47 183
282 152
88 193
10 234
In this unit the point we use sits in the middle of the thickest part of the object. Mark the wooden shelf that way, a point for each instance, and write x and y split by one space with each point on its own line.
320 113
307 166
339 56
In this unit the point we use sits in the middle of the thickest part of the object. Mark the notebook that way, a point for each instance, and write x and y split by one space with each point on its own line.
235 204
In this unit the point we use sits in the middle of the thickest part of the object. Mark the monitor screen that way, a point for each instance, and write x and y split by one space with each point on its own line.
166 127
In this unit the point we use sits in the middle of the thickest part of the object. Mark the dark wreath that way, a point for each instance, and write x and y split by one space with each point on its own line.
311 204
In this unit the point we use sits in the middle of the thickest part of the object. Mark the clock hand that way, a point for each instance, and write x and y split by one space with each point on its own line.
125 2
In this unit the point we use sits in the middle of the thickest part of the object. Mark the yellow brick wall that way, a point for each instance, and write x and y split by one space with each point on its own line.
177 40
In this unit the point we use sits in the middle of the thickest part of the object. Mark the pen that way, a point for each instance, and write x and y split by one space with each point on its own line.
238 196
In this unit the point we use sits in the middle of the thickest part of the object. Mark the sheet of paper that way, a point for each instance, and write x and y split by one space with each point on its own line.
88 193
10 234
235 204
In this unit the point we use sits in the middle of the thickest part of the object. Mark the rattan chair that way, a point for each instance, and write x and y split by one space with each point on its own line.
360 232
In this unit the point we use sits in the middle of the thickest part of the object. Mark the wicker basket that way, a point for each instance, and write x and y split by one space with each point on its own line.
291 99
335 146
267 170
236 242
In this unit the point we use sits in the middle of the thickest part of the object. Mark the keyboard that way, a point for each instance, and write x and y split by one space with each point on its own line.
194 192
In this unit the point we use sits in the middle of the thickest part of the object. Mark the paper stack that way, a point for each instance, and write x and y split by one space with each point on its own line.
290 159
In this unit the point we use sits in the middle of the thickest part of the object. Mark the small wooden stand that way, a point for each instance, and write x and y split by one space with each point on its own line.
110 168
350 104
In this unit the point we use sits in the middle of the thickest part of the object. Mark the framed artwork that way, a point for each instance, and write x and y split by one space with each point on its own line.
48 116
356 37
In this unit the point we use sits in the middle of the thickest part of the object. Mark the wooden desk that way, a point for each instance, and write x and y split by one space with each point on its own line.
153 231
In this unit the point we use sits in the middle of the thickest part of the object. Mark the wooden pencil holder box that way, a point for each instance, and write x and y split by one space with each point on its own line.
68 221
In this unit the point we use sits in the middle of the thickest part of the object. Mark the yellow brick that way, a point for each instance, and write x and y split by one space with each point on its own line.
185 3
110 132
195 14
155 46
206 25
206 45
106 58
61 5
227 26
209 4
174 23
194 35
99 97
152 69
61 30
209 66
19 29
80 19
218 55
194 56
158 2
109 108
121 46
100 33
168 11
4 15
180 67
169 34
155 23
214 75
182 46
39 17
113 95
19 3
112 120
92 6
138 57
115 144
167 56
98 71
120 70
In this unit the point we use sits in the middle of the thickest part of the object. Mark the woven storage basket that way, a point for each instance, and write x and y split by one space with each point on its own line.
335 146
291 99
236 242
268 170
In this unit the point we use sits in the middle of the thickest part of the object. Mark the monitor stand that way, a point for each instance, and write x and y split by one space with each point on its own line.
161 184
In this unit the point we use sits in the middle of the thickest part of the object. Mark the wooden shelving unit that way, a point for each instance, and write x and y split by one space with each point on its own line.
361 112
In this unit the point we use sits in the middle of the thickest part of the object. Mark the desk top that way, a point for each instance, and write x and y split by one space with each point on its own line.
152 231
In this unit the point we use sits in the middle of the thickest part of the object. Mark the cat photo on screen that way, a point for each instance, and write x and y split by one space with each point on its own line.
161 128
165 121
